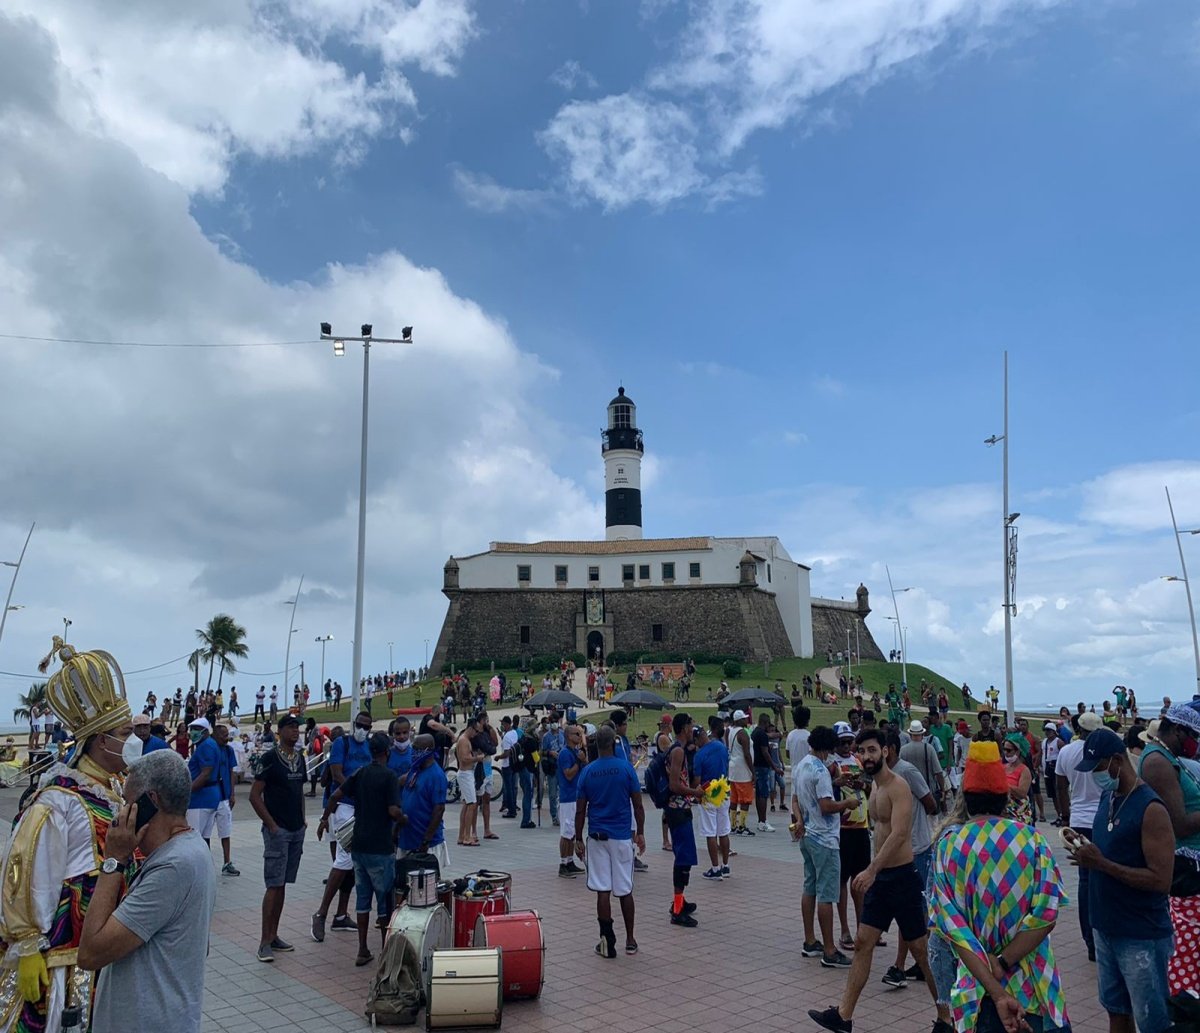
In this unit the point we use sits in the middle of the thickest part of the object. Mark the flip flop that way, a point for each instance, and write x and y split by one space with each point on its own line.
364 959
631 947
491 835
846 943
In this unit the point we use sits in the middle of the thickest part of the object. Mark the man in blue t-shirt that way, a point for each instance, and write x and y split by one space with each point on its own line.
400 756
204 766
712 761
608 801
347 754
423 801
553 742
572 757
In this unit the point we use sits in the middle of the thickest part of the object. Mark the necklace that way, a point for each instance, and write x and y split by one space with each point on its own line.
1112 818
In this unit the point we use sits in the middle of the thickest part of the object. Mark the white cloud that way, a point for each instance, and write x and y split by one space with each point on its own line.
739 66
570 75
190 88
482 192
1131 498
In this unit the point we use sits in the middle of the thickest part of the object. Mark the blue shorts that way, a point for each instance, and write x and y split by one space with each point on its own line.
374 875
822 871
683 835
1133 978
764 778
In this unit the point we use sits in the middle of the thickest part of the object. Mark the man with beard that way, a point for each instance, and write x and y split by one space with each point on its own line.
890 884
50 866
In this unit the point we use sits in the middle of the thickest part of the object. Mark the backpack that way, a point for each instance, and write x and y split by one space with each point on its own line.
395 995
658 778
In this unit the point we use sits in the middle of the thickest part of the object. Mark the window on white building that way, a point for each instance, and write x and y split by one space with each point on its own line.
627 572
560 574
593 573
622 416
693 570
524 574
643 571
668 572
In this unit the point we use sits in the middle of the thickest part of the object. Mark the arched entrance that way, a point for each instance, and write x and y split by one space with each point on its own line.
595 645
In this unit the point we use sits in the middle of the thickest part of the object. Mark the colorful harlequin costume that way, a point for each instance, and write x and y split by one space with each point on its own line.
53 857
992 879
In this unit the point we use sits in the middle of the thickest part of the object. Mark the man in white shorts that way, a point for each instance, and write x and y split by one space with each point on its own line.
225 807
712 762
572 759
467 756
204 765
607 794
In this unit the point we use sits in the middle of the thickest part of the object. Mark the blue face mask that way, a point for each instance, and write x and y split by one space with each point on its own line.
1105 781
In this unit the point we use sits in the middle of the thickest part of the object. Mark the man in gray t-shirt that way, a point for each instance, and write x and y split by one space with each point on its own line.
150 949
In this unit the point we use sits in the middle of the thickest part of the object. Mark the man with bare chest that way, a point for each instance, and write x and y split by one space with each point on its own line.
467 756
892 887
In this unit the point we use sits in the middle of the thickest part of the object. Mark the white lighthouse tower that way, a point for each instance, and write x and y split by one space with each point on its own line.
621 446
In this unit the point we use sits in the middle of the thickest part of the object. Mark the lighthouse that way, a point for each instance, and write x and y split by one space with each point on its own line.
621 446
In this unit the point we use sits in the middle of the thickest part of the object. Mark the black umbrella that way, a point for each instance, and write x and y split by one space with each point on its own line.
553 698
641 698
756 697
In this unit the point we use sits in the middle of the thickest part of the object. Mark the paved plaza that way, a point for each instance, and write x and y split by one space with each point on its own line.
741 967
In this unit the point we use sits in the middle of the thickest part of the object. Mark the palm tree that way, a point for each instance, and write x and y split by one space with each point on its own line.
220 639
35 697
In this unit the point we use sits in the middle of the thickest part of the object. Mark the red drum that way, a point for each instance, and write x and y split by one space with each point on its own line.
519 936
468 910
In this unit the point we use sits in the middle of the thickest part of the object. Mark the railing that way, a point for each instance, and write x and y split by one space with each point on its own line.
621 437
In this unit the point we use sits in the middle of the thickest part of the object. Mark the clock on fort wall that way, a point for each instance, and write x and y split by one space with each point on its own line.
594 607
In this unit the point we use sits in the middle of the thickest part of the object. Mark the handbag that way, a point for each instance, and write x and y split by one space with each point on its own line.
1185 880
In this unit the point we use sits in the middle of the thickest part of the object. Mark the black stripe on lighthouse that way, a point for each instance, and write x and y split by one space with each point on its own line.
623 507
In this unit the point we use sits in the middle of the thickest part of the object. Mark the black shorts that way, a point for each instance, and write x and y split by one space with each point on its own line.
897 895
855 851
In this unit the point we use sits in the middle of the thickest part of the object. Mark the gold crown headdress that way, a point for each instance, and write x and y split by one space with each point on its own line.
88 694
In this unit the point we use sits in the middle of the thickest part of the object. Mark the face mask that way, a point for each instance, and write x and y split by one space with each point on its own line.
360 735
1189 749
403 745
1104 780
195 735
132 749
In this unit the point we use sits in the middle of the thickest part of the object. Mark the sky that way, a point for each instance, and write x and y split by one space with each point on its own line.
801 234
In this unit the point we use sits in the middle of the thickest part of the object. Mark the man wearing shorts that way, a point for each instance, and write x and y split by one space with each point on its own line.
741 772
890 885
678 816
204 765
712 762
819 832
277 797
467 756
608 796
572 758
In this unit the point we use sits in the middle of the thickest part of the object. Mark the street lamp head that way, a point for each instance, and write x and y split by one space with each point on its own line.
406 334
8 563
995 439
339 348
366 329
1173 577
1012 518
326 330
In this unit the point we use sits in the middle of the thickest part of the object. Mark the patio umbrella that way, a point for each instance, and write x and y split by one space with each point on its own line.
756 697
553 698
641 698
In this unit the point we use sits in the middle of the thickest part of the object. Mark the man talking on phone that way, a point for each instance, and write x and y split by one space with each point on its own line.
150 948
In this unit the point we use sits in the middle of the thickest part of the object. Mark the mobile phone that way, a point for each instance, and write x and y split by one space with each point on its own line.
145 811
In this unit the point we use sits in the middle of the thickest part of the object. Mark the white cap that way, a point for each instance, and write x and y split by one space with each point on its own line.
740 715
201 722
1050 726
916 728
843 730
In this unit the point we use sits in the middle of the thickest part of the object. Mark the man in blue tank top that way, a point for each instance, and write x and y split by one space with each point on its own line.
1130 861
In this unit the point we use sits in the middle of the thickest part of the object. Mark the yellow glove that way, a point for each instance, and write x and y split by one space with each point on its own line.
32 976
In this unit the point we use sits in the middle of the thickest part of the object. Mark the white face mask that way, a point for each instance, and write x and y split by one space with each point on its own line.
360 734
132 749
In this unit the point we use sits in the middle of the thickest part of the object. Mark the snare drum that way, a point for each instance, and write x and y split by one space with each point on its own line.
519 936
462 989
426 928
422 888
468 910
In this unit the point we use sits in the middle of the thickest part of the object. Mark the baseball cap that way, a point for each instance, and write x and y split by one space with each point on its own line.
288 719
665 719
201 722
916 728
1089 722
1098 747
140 719
1050 726
739 715
843 730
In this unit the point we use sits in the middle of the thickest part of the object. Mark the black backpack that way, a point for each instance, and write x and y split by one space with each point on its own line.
658 778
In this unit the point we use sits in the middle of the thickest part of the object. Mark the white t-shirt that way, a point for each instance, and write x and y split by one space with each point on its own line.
1085 793
507 742
1051 748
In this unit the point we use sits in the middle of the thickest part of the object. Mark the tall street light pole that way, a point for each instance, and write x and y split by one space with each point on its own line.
323 639
427 657
391 663
13 583
903 651
1187 585
287 653
339 348
1009 532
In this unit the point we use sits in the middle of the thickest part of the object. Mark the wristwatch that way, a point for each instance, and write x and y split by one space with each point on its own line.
112 866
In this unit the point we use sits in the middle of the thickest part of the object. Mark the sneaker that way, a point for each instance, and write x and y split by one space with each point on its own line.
835 960
831 1019
747 831
639 865
765 826
712 874
812 950
687 921
229 869
575 868
725 873
555 823
343 924
318 928
915 973
736 831
528 825
689 906
281 945
265 953
895 977
564 872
